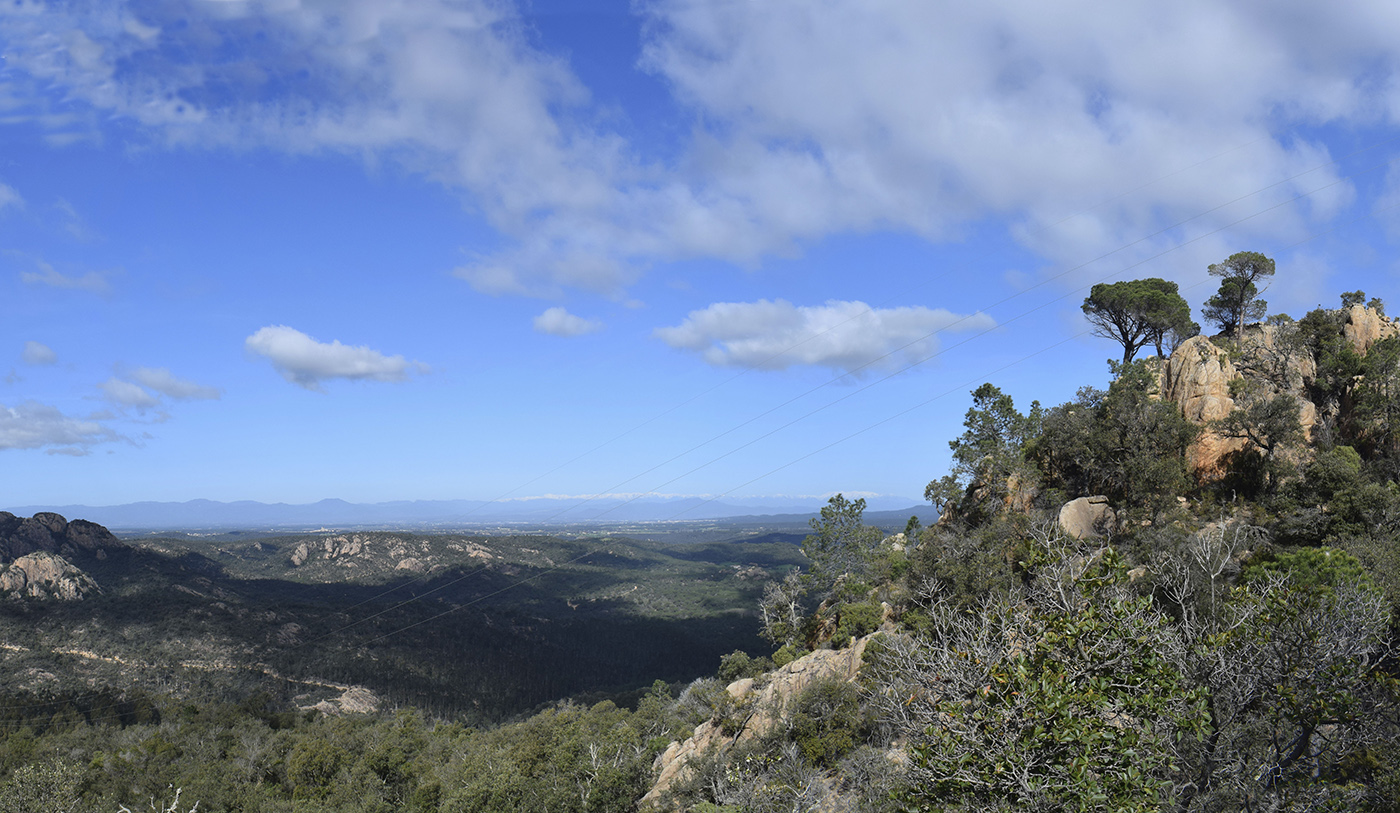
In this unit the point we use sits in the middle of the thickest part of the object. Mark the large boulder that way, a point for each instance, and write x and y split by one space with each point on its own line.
1087 517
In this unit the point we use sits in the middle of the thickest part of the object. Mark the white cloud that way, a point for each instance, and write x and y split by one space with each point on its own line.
848 336
31 425
306 362
811 119
46 275
162 381
559 322
36 353
125 393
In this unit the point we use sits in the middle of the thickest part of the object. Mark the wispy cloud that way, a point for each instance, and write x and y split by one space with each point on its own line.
38 354
308 363
9 198
47 275
32 425
559 322
164 382
850 337
127 394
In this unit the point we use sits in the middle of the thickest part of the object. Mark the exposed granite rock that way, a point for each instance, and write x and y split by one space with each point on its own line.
769 701
43 575
1366 326
33 551
1087 517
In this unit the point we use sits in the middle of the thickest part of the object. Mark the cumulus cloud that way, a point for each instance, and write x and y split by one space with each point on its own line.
850 337
38 354
811 119
46 275
127 394
162 381
559 322
307 363
32 425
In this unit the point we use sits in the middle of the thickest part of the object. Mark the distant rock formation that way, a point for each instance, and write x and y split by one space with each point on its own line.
37 555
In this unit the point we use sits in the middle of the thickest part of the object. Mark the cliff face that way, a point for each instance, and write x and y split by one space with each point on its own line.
37 553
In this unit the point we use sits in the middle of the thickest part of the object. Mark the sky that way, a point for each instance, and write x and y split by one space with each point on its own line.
376 250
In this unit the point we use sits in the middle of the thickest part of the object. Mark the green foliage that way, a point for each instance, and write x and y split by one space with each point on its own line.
1323 569
986 458
1237 302
1338 363
1352 298
856 621
1375 417
1121 443
312 766
1139 312
1334 498
738 664
840 544
828 721
1070 704
49 787
1271 424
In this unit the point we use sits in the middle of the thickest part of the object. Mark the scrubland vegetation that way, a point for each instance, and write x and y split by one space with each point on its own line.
1220 639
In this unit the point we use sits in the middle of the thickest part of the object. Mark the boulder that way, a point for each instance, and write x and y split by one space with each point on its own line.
1087 517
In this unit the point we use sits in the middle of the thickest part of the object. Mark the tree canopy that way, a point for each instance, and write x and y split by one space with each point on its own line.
1237 302
1139 312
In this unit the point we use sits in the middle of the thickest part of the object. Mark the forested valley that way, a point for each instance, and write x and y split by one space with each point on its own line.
1178 592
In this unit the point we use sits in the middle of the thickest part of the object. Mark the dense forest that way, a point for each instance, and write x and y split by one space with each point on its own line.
1178 592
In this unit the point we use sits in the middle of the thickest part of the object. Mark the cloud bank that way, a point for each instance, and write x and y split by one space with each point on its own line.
308 363
810 119
850 337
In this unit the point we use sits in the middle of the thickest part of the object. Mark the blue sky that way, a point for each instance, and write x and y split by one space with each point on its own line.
374 250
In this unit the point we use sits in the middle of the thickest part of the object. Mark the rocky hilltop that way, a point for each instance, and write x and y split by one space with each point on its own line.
38 555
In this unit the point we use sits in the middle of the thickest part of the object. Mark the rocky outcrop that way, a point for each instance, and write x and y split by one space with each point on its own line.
1087 518
43 575
768 701
1202 379
1366 326
37 553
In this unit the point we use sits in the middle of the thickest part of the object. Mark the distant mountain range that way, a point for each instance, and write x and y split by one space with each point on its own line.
249 515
